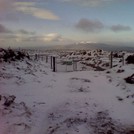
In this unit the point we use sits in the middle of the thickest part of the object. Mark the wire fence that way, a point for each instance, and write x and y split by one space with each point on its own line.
63 64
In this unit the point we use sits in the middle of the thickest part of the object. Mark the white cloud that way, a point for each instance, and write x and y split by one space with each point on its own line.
24 3
25 32
16 37
29 8
49 39
52 37
91 3
26 7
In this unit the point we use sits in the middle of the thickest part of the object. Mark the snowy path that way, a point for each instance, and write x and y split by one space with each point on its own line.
82 91
63 102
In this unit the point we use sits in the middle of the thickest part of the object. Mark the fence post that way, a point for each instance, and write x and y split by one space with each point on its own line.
123 60
66 67
51 62
111 60
42 57
74 65
46 59
36 57
54 65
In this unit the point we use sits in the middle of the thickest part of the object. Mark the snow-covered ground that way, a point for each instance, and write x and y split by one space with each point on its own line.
82 102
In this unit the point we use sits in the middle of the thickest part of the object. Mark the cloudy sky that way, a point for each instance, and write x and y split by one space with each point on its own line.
51 22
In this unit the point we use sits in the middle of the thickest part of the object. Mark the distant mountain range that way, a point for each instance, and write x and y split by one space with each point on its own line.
87 46
99 46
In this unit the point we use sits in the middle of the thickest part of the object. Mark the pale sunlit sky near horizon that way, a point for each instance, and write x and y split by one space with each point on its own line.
52 22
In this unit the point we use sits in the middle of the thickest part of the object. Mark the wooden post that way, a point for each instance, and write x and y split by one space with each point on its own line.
76 65
73 66
123 60
51 62
42 57
111 60
46 59
66 67
54 65
36 56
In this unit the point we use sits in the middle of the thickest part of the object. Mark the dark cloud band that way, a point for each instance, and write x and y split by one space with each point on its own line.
119 28
89 25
